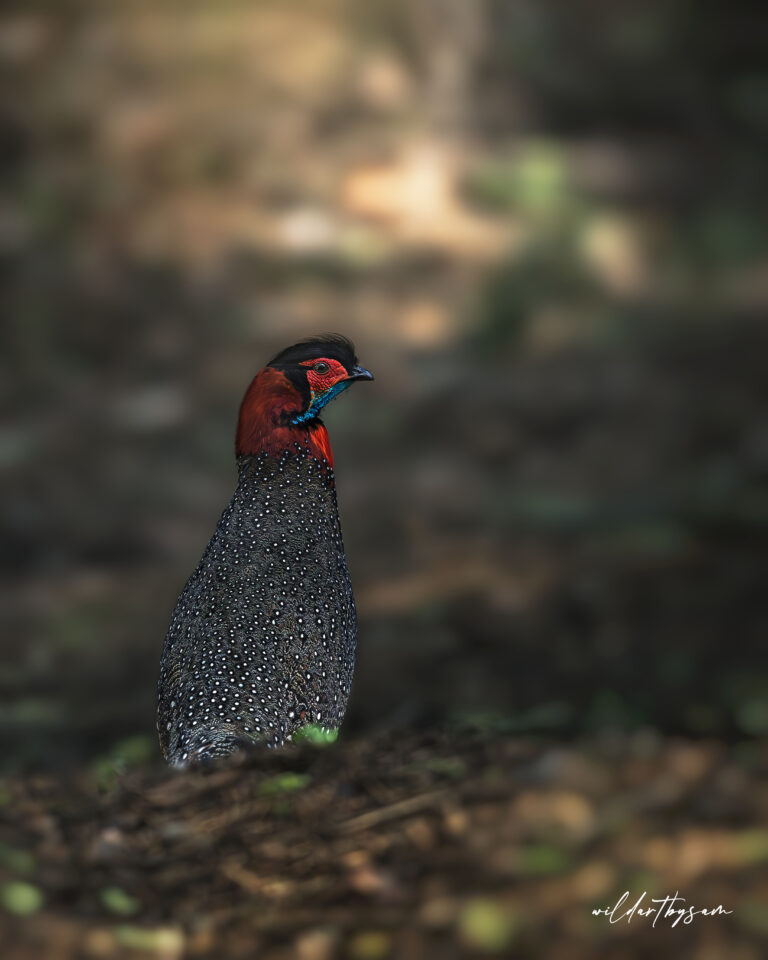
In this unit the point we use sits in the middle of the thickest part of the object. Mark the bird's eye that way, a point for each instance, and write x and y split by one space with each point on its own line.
321 367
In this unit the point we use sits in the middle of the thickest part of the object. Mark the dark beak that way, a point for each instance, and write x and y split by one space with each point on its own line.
360 373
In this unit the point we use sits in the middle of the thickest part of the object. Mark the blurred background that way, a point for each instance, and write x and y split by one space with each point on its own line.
543 224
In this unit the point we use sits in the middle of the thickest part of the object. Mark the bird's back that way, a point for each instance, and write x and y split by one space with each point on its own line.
262 639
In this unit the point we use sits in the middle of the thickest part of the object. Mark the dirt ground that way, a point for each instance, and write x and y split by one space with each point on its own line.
453 844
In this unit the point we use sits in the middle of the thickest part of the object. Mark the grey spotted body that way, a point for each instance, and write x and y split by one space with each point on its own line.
262 639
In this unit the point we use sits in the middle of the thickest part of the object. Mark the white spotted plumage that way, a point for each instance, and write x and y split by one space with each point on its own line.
262 639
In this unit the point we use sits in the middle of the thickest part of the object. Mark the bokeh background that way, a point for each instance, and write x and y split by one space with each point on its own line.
544 225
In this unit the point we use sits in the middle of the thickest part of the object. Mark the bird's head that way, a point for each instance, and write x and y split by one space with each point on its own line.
320 368
283 403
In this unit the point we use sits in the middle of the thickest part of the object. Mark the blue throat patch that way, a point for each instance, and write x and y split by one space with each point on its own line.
318 402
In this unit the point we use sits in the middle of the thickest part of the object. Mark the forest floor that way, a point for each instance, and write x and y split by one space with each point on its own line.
442 844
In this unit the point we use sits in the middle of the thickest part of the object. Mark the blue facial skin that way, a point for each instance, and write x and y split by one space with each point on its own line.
318 402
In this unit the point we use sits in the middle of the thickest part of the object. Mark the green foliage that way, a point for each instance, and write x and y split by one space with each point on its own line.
549 715
319 737
752 846
487 926
542 859
23 899
486 723
747 696
752 716
370 945
167 940
728 235
31 711
16 860
451 767
547 273
608 709
118 901
288 782
534 182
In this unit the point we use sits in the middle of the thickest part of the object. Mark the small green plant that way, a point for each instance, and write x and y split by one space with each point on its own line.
487 926
166 940
287 782
318 736
118 901
543 859
23 899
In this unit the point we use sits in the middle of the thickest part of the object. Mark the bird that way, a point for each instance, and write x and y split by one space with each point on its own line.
262 638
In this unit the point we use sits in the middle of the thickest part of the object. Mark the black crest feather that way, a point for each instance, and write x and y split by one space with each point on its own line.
332 345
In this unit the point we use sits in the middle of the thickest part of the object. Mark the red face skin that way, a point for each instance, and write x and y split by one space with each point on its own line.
271 399
323 379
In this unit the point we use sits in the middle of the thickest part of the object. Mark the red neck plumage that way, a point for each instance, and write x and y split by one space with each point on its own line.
263 424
